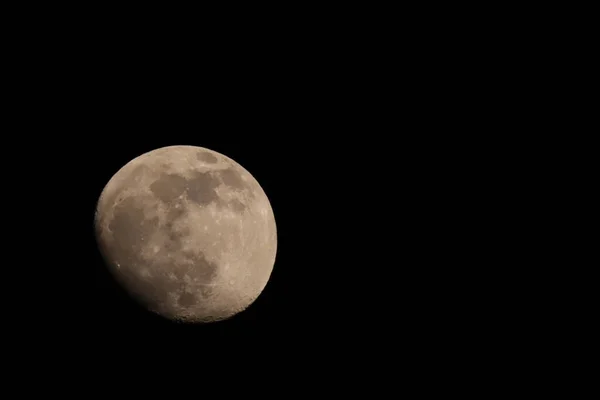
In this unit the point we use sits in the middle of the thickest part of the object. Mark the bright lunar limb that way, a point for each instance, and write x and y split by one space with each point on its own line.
188 232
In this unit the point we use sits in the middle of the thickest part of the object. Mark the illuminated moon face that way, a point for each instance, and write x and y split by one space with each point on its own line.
188 232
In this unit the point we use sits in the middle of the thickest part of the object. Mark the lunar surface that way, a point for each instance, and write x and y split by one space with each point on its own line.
188 232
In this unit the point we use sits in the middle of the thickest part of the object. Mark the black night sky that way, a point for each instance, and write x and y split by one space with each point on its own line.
316 138
389 151
310 189
332 180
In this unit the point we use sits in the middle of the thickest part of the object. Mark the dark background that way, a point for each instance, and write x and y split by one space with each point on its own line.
339 156
318 170
344 141
352 268
388 143
294 173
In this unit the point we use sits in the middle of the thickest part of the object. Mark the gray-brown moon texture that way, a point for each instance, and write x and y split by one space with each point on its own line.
188 232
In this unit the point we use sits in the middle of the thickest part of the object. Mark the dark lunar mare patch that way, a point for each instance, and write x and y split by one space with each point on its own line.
237 205
186 300
206 157
204 270
201 188
232 178
174 235
168 187
128 227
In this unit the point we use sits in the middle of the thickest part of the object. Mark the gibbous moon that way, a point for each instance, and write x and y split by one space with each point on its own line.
188 232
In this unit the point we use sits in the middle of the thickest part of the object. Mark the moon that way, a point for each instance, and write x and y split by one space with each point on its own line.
188 233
